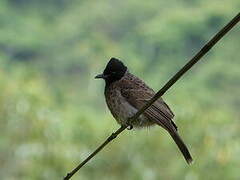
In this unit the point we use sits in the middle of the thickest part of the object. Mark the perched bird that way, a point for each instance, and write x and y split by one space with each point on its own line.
125 94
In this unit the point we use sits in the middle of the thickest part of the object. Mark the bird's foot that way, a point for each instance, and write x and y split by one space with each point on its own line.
129 126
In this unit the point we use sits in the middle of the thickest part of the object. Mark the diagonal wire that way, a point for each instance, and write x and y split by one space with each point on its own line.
162 91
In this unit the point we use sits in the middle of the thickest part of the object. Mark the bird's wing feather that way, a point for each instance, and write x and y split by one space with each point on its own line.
159 112
137 93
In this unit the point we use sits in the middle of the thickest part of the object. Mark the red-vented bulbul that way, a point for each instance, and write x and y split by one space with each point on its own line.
125 94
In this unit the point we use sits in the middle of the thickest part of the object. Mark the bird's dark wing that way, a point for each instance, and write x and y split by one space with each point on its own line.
159 112
137 95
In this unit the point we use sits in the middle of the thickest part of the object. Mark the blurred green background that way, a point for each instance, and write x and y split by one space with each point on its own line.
53 112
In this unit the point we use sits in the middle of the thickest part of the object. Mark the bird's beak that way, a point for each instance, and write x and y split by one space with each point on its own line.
100 76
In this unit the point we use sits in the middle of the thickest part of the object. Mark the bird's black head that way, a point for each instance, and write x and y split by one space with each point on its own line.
114 71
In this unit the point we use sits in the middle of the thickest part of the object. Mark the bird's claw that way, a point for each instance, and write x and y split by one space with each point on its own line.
129 126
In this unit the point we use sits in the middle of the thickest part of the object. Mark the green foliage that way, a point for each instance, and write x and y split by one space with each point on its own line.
53 113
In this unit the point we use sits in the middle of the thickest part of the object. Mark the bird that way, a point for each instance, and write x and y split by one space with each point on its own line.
125 94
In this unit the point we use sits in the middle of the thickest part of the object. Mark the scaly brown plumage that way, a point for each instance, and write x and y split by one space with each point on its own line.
126 94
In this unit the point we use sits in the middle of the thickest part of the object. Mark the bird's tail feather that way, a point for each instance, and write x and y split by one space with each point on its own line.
183 148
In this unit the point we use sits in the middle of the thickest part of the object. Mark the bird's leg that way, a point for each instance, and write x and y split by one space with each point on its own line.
129 125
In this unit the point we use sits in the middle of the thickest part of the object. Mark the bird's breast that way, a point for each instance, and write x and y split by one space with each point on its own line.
121 109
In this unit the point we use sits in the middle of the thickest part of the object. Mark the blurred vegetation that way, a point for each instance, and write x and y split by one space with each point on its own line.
53 112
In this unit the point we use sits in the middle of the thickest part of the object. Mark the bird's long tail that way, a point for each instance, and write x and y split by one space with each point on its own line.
183 148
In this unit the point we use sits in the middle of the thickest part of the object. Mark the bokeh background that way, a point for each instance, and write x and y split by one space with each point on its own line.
53 112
